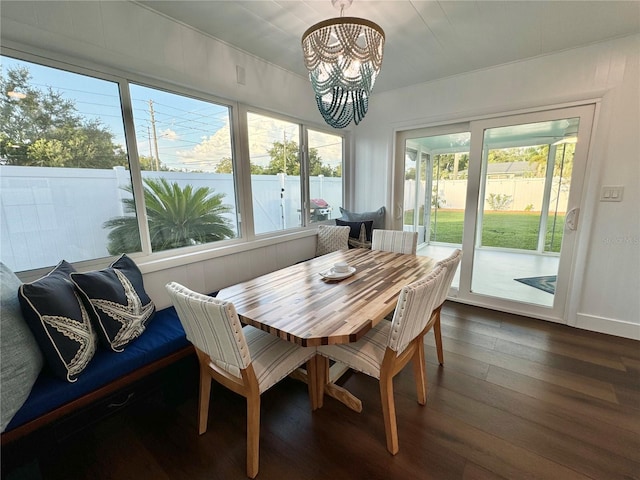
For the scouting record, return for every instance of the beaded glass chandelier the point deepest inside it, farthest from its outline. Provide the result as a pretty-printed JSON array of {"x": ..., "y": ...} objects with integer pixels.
[{"x": 343, "y": 56}]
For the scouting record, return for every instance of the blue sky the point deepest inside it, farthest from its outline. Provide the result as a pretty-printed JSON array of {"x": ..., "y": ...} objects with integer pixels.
[{"x": 190, "y": 133}]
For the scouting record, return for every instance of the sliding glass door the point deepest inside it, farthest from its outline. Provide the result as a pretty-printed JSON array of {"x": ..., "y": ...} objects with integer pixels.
[
  {"x": 435, "y": 185},
  {"x": 507, "y": 191}
]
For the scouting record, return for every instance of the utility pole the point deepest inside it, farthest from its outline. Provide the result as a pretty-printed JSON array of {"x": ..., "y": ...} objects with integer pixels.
[
  {"x": 155, "y": 136},
  {"x": 284, "y": 151}
]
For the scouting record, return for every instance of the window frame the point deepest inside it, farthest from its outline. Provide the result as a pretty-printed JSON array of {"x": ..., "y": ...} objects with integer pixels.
[
  {"x": 303, "y": 152},
  {"x": 138, "y": 184}
]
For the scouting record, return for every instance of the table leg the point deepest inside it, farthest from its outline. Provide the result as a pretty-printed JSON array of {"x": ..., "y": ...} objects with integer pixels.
[
  {"x": 324, "y": 378},
  {"x": 312, "y": 381},
  {"x": 335, "y": 391}
]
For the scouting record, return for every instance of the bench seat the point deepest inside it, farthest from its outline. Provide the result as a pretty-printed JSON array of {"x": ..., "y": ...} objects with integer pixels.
[{"x": 162, "y": 343}]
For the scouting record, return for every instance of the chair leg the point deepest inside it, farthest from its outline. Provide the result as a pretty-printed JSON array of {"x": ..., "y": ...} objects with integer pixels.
[
  {"x": 437, "y": 332},
  {"x": 389, "y": 412},
  {"x": 420, "y": 371},
  {"x": 253, "y": 434},
  {"x": 203, "y": 403}
]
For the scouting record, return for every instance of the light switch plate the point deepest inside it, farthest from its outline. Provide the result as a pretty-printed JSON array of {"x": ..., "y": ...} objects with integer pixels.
[{"x": 611, "y": 193}]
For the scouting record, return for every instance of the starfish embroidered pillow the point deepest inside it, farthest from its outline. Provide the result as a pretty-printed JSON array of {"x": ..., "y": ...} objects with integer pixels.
[
  {"x": 117, "y": 300},
  {"x": 59, "y": 321}
]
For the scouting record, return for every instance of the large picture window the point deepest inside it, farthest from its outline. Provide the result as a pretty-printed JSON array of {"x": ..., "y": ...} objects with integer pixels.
[
  {"x": 274, "y": 151},
  {"x": 278, "y": 174},
  {"x": 325, "y": 175},
  {"x": 63, "y": 165},
  {"x": 184, "y": 150},
  {"x": 94, "y": 167}
]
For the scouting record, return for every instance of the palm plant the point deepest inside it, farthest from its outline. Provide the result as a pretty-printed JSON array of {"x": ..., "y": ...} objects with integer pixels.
[{"x": 177, "y": 217}]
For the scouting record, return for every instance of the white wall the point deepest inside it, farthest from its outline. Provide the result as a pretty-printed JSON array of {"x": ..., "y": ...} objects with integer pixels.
[{"x": 606, "y": 280}]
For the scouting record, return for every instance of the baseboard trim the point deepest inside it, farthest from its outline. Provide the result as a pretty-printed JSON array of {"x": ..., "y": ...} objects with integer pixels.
[{"x": 610, "y": 326}]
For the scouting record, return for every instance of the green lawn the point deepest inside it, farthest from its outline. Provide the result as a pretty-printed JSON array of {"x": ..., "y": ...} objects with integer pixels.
[{"x": 499, "y": 229}]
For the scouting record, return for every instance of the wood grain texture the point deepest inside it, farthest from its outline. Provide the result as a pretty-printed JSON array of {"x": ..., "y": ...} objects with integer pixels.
[
  {"x": 298, "y": 305},
  {"x": 485, "y": 418}
]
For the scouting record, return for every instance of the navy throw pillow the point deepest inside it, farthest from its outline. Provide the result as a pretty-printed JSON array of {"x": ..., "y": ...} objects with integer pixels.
[
  {"x": 118, "y": 301},
  {"x": 377, "y": 216},
  {"x": 59, "y": 321},
  {"x": 356, "y": 228}
]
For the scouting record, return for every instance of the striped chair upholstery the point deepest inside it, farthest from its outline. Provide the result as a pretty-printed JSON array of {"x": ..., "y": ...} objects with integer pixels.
[
  {"x": 389, "y": 346},
  {"x": 451, "y": 264},
  {"x": 243, "y": 359},
  {"x": 394, "y": 241},
  {"x": 332, "y": 238}
]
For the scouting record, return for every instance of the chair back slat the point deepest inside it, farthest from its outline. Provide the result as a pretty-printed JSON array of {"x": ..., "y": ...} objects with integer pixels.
[
  {"x": 212, "y": 326},
  {"x": 394, "y": 241},
  {"x": 414, "y": 307},
  {"x": 451, "y": 264}
]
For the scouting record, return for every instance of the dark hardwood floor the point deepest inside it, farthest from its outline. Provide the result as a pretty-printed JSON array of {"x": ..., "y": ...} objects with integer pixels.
[{"x": 516, "y": 399}]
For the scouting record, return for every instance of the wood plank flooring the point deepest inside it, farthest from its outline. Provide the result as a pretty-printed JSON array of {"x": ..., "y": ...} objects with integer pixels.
[{"x": 516, "y": 399}]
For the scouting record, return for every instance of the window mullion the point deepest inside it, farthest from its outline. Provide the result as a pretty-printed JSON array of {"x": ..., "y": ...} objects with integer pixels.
[
  {"x": 243, "y": 166},
  {"x": 304, "y": 175},
  {"x": 134, "y": 165}
]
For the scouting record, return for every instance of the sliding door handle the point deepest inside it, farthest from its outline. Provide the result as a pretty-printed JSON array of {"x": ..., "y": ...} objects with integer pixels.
[
  {"x": 571, "y": 220},
  {"x": 399, "y": 211}
]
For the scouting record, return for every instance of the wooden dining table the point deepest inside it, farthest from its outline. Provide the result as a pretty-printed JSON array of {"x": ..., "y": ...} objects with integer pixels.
[{"x": 300, "y": 305}]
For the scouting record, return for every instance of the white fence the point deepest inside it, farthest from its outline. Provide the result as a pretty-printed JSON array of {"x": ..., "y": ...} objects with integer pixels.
[
  {"x": 50, "y": 214},
  {"x": 525, "y": 193}
]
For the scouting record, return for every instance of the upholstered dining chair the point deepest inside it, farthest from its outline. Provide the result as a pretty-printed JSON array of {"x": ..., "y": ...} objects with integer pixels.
[
  {"x": 394, "y": 241},
  {"x": 451, "y": 264},
  {"x": 246, "y": 360},
  {"x": 387, "y": 348},
  {"x": 332, "y": 238}
]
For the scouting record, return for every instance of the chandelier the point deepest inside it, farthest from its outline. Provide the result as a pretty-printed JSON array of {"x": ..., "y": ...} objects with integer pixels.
[{"x": 343, "y": 56}]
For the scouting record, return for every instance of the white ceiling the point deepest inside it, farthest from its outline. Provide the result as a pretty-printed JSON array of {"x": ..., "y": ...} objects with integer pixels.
[{"x": 425, "y": 39}]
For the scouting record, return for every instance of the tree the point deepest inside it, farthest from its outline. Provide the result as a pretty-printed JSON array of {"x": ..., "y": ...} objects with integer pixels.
[
  {"x": 45, "y": 129},
  {"x": 537, "y": 157},
  {"x": 285, "y": 158},
  {"x": 289, "y": 150},
  {"x": 447, "y": 167},
  {"x": 177, "y": 217},
  {"x": 564, "y": 160},
  {"x": 224, "y": 166},
  {"x": 410, "y": 173},
  {"x": 149, "y": 163}
]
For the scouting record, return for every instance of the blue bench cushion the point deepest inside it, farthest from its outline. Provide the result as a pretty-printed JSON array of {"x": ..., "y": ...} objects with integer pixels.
[{"x": 164, "y": 335}]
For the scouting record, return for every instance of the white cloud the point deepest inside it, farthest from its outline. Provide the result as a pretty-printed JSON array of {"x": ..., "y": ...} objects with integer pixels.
[
  {"x": 208, "y": 153},
  {"x": 263, "y": 132},
  {"x": 169, "y": 134}
]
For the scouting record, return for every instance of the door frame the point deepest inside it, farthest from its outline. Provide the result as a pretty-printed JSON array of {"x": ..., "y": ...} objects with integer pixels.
[{"x": 587, "y": 111}]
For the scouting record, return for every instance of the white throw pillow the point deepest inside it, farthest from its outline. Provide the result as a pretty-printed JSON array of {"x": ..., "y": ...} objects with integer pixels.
[{"x": 20, "y": 358}]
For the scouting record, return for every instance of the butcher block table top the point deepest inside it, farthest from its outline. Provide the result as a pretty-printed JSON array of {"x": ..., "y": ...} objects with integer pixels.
[{"x": 297, "y": 304}]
